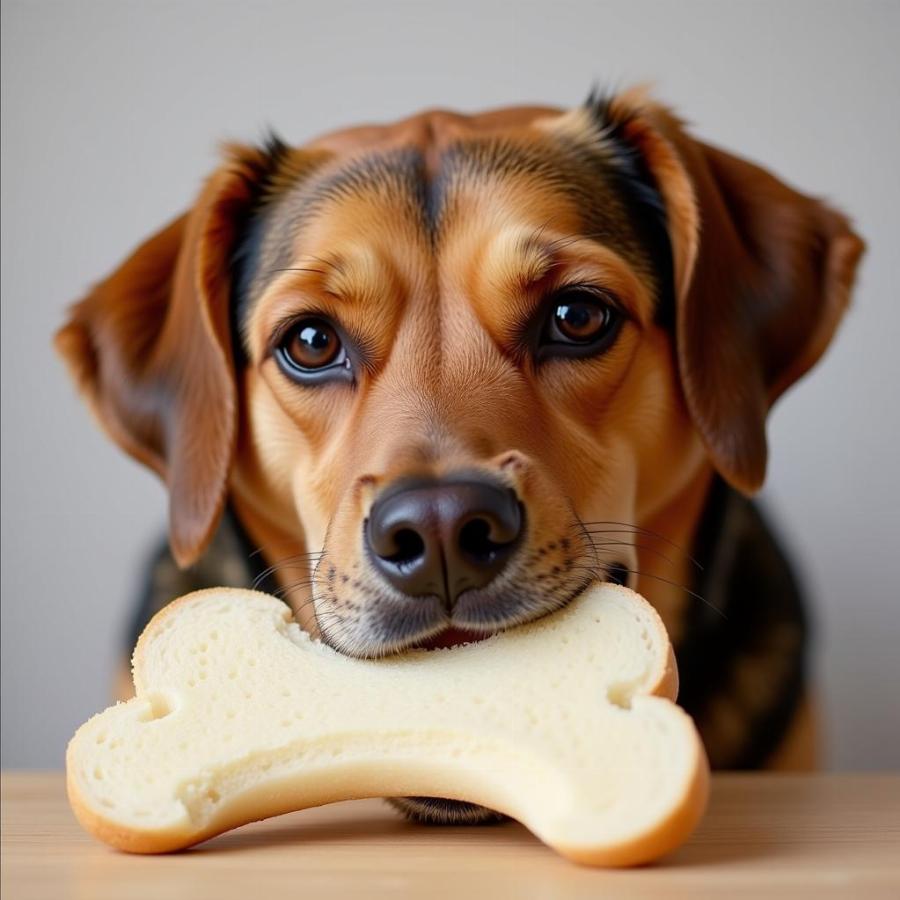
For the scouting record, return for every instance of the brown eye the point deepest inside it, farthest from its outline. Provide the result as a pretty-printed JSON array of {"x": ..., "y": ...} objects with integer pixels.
[
  {"x": 581, "y": 321},
  {"x": 311, "y": 351},
  {"x": 312, "y": 344}
]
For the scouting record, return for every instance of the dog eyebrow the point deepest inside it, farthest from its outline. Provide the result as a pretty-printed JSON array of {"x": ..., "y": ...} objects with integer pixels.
[
  {"x": 521, "y": 258},
  {"x": 319, "y": 265},
  {"x": 354, "y": 275},
  {"x": 536, "y": 256}
]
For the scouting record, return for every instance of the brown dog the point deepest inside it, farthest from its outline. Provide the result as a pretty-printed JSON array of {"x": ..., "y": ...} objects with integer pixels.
[{"x": 444, "y": 373}]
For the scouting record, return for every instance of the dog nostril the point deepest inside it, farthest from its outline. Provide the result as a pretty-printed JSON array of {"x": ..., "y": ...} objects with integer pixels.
[
  {"x": 409, "y": 547},
  {"x": 475, "y": 541},
  {"x": 441, "y": 537}
]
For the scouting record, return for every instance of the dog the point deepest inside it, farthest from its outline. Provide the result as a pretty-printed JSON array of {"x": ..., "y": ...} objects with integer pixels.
[{"x": 429, "y": 380}]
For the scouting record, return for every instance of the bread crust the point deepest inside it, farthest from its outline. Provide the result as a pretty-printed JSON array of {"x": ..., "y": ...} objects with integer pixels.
[
  {"x": 148, "y": 635},
  {"x": 664, "y": 837}
]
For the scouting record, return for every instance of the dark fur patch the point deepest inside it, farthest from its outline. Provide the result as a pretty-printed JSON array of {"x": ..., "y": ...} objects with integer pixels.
[
  {"x": 244, "y": 261},
  {"x": 639, "y": 189}
]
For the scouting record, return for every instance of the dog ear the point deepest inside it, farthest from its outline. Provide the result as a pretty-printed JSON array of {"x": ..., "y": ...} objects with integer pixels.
[
  {"x": 150, "y": 348},
  {"x": 762, "y": 278}
]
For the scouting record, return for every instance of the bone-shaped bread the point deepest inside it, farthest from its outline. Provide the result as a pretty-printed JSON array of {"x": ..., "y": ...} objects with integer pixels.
[{"x": 566, "y": 724}]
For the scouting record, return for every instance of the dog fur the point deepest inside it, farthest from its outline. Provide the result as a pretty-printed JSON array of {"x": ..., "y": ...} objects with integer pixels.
[{"x": 435, "y": 244}]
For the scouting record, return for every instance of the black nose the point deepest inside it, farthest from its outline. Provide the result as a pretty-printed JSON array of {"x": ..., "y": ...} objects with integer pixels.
[{"x": 443, "y": 536}]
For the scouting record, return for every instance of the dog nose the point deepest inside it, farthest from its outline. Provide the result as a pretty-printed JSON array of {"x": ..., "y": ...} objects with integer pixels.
[{"x": 443, "y": 536}]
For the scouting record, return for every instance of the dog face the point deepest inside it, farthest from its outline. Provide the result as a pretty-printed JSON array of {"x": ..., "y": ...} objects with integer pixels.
[{"x": 438, "y": 354}]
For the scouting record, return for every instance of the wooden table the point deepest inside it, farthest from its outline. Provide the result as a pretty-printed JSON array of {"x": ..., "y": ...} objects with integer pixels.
[{"x": 765, "y": 836}]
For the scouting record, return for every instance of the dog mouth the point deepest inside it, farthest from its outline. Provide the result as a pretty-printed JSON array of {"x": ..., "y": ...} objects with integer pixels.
[
  {"x": 450, "y": 637},
  {"x": 395, "y": 639},
  {"x": 454, "y": 636}
]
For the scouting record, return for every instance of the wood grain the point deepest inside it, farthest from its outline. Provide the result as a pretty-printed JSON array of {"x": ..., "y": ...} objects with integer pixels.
[{"x": 765, "y": 836}]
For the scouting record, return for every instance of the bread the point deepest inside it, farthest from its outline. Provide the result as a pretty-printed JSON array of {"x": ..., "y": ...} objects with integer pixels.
[{"x": 567, "y": 724}]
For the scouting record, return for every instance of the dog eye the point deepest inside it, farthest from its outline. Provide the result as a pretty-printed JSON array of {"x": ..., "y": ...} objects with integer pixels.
[
  {"x": 311, "y": 349},
  {"x": 578, "y": 321},
  {"x": 581, "y": 321},
  {"x": 312, "y": 344}
]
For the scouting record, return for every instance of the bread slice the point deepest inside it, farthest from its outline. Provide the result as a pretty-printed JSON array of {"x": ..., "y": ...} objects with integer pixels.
[{"x": 566, "y": 724}]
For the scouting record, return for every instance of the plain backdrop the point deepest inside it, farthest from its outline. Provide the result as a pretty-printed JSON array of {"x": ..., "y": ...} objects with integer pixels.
[{"x": 112, "y": 112}]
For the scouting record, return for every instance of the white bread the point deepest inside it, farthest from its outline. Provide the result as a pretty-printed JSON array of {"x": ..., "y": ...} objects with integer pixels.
[{"x": 566, "y": 724}]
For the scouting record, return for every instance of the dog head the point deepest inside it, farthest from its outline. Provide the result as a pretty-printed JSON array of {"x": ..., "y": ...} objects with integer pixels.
[{"x": 435, "y": 352}]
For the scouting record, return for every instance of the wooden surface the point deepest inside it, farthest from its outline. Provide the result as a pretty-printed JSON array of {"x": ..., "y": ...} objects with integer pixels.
[{"x": 765, "y": 836}]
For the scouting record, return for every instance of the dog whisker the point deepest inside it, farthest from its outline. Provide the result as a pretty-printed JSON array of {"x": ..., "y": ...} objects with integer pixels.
[
  {"x": 263, "y": 548},
  {"x": 311, "y": 580},
  {"x": 643, "y": 548},
  {"x": 587, "y": 527},
  {"x": 280, "y": 567},
  {"x": 289, "y": 562},
  {"x": 677, "y": 584},
  {"x": 296, "y": 585}
]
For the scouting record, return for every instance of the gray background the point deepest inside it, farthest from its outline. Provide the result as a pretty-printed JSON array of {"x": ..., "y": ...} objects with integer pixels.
[{"x": 111, "y": 114}]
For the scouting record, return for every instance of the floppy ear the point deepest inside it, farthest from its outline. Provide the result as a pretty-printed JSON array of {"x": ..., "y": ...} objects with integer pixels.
[
  {"x": 150, "y": 348},
  {"x": 762, "y": 274}
]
